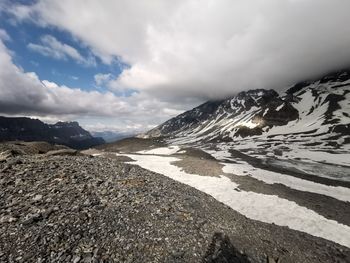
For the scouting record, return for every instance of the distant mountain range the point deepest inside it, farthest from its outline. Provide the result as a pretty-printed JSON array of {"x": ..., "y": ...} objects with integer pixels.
[
  {"x": 65, "y": 133},
  {"x": 111, "y": 136},
  {"x": 318, "y": 108}
]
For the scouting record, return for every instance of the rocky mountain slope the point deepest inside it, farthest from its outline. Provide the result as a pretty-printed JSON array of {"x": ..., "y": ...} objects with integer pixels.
[
  {"x": 312, "y": 108},
  {"x": 65, "y": 133}
]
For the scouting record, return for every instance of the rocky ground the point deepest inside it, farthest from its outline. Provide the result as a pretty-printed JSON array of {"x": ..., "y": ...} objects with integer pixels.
[
  {"x": 27, "y": 148},
  {"x": 71, "y": 208}
]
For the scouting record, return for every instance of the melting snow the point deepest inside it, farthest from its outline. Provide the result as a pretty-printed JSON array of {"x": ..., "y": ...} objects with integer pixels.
[
  {"x": 265, "y": 208},
  {"x": 318, "y": 156},
  {"x": 266, "y": 110},
  {"x": 162, "y": 151},
  {"x": 280, "y": 107},
  {"x": 243, "y": 169}
]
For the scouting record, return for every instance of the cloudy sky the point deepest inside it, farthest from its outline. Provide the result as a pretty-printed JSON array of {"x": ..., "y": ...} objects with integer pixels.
[{"x": 129, "y": 65}]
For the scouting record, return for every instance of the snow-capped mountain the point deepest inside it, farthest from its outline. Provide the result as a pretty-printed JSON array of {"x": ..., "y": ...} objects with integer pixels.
[{"x": 319, "y": 108}]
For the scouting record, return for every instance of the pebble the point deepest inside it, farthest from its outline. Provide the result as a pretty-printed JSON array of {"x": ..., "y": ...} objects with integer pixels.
[
  {"x": 37, "y": 198},
  {"x": 76, "y": 259}
]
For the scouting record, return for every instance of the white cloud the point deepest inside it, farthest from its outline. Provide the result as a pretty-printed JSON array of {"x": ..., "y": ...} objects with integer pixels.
[
  {"x": 100, "y": 126},
  {"x": 49, "y": 46},
  {"x": 206, "y": 48},
  {"x": 112, "y": 83},
  {"x": 4, "y": 36},
  {"x": 23, "y": 93},
  {"x": 102, "y": 79}
]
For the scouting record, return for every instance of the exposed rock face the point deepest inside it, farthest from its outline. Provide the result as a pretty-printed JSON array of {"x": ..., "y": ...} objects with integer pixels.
[
  {"x": 187, "y": 119},
  {"x": 310, "y": 107},
  {"x": 65, "y": 133}
]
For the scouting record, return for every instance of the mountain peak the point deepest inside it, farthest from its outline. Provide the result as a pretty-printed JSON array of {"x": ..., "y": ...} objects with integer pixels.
[{"x": 313, "y": 108}]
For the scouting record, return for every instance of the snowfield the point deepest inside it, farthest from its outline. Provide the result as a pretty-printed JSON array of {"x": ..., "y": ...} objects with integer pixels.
[
  {"x": 261, "y": 207},
  {"x": 243, "y": 169},
  {"x": 162, "y": 151}
]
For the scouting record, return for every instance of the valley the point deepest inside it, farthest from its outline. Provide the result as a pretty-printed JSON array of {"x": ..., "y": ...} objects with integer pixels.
[
  {"x": 161, "y": 203},
  {"x": 174, "y": 131},
  {"x": 259, "y": 177}
]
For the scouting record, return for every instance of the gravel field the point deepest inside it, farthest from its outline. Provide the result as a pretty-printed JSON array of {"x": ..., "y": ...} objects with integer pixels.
[{"x": 98, "y": 209}]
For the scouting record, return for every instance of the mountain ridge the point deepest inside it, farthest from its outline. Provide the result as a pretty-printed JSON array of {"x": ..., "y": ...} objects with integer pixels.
[
  {"x": 310, "y": 107},
  {"x": 65, "y": 133}
]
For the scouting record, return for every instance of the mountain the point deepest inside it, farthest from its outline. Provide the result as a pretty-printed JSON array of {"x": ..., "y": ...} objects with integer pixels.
[
  {"x": 65, "y": 133},
  {"x": 318, "y": 108},
  {"x": 111, "y": 136}
]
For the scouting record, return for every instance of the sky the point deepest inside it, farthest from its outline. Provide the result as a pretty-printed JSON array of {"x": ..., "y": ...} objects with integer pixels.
[{"x": 129, "y": 65}]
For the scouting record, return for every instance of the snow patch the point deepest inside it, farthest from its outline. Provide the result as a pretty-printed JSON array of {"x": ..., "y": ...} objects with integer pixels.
[
  {"x": 243, "y": 169},
  {"x": 162, "y": 150},
  {"x": 280, "y": 107}
]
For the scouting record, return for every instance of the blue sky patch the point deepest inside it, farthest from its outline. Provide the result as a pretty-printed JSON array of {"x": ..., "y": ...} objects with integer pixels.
[{"x": 68, "y": 71}]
